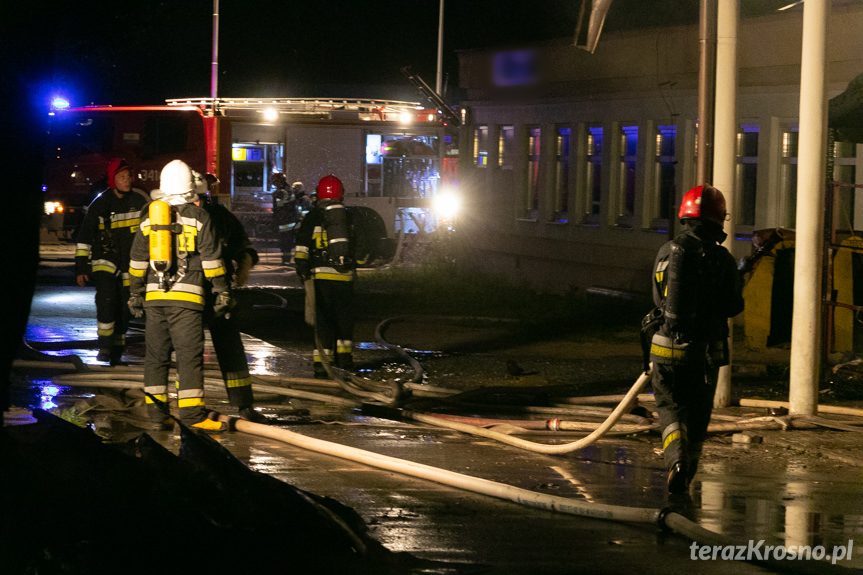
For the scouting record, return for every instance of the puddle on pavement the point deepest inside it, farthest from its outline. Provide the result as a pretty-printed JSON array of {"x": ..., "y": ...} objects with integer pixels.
[{"x": 783, "y": 504}]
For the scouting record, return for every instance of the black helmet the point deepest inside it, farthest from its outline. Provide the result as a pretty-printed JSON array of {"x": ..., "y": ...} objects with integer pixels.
[{"x": 279, "y": 180}]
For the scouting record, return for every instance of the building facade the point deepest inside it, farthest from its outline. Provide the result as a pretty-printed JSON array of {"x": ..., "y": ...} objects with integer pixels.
[{"x": 573, "y": 164}]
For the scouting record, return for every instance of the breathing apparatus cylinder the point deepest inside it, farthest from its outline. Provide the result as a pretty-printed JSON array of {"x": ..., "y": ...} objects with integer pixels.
[{"x": 161, "y": 240}]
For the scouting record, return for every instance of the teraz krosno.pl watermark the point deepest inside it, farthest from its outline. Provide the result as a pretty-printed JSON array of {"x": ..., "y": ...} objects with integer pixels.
[{"x": 759, "y": 551}]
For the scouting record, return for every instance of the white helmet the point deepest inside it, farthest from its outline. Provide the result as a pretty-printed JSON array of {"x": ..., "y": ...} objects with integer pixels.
[
  {"x": 179, "y": 183},
  {"x": 298, "y": 187}
]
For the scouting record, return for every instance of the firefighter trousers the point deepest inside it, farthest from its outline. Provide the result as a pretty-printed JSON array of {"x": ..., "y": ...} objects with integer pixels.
[
  {"x": 684, "y": 399},
  {"x": 231, "y": 354},
  {"x": 287, "y": 242},
  {"x": 334, "y": 322},
  {"x": 112, "y": 315},
  {"x": 180, "y": 329}
]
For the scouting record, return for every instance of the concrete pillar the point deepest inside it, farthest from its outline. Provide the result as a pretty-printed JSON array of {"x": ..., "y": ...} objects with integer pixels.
[
  {"x": 806, "y": 326},
  {"x": 725, "y": 141}
]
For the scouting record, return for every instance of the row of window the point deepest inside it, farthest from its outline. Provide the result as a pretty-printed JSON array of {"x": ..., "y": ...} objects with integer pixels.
[{"x": 562, "y": 178}]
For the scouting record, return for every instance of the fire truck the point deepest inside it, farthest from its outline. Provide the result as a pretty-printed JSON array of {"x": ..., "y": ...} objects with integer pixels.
[{"x": 393, "y": 157}]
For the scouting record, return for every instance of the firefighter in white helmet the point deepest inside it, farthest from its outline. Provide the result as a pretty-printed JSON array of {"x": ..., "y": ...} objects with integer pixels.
[
  {"x": 696, "y": 288},
  {"x": 175, "y": 261},
  {"x": 102, "y": 255}
]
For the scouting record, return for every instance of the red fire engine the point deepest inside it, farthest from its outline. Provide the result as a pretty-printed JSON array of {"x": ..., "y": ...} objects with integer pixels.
[{"x": 389, "y": 154}]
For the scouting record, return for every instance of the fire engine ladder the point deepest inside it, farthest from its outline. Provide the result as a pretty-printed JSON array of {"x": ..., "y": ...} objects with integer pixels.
[
  {"x": 363, "y": 109},
  {"x": 433, "y": 96}
]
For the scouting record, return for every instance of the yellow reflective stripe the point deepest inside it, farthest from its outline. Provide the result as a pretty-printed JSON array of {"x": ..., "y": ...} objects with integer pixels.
[
  {"x": 174, "y": 296},
  {"x": 242, "y": 382},
  {"x": 130, "y": 223},
  {"x": 191, "y": 402},
  {"x": 104, "y": 266},
  {"x": 214, "y": 272},
  {"x": 179, "y": 287},
  {"x": 667, "y": 352},
  {"x": 163, "y": 397},
  {"x": 673, "y": 436},
  {"x": 334, "y": 277}
]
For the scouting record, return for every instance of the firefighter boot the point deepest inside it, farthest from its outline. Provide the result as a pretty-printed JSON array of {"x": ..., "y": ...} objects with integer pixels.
[
  {"x": 210, "y": 424},
  {"x": 116, "y": 357},
  {"x": 678, "y": 479},
  {"x": 159, "y": 421},
  {"x": 249, "y": 414}
]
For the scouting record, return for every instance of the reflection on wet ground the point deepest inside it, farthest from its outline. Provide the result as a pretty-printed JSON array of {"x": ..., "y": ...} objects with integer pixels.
[{"x": 750, "y": 494}]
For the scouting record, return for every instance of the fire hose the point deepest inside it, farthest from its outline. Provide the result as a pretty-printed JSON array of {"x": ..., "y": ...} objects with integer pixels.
[{"x": 664, "y": 518}]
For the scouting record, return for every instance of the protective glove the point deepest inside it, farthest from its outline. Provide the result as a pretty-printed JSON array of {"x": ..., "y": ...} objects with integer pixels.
[
  {"x": 243, "y": 270},
  {"x": 136, "y": 305},
  {"x": 222, "y": 305}
]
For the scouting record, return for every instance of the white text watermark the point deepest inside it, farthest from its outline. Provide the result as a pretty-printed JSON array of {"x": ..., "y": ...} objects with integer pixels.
[{"x": 760, "y": 551}]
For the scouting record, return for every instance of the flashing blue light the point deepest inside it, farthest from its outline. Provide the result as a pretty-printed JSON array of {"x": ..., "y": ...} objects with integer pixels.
[{"x": 59, "y": 103}]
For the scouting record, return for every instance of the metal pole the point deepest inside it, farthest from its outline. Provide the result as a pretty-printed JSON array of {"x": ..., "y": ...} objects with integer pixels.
[
  {"x": 439, "y": 80},
  {"x": 706, "y": 87},
  {"x": 725, "y": 140},
  {"x": 806, "y": 326},
  {"x": 214, "y": 65}
]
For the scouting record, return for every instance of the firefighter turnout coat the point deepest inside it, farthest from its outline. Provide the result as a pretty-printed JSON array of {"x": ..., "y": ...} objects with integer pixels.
[
  {"x": 174, "y": 303},
  {"x": 107, "y": 232},
  {"x": 197, "y": 262},
  {"x": 102, "y": 254},
  {"x": 324, "y": 252}
]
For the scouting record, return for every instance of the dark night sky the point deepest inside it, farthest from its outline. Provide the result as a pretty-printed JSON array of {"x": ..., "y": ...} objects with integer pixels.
[{"x": 144, "y": 51}]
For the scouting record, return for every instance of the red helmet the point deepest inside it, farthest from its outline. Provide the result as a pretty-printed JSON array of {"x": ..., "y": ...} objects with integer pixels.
[
  {"x": 116, "y": 166},
  {"x": 705, "y": 202},
  {"x": 330, "y": 188}
]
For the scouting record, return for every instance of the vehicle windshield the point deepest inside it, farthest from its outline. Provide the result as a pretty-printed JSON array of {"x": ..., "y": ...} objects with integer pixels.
[{"x": 74, "y": 135}]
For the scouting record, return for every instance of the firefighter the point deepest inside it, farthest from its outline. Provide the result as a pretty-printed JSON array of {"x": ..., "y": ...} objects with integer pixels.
[
  {"x": 302, "y": 199},
  {"x": 696, "y": 288},
  {"x": 102, "y": 256},
  {"x": 284, "y": 209},
  {"x": 175, "y": 261},
  {"x": 324, "y": 256},
  {"x": 239, "y": 257}
]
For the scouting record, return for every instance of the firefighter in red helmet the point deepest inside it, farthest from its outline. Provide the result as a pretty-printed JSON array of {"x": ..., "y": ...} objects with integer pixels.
[
  {"x": 102, "y": 255},
  {"x": 696, "y": 289},
  {"x": 324, "y": 255}
]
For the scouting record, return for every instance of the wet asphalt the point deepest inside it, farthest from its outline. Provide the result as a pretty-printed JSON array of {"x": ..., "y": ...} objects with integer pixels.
[{"x": 787, "y": 488}]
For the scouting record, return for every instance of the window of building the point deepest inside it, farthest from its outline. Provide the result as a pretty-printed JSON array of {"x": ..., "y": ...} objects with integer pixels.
[
  {"x": 665, "y": 175},
  {"x": 480, "y": 146},
  {"x": 402, "y": 166},
  {"x": 530, "y": 199},
  {"x": 505, "y": 141},
  {"x": 747, "y": 174},
  {"x": 788, "y": 175},
  {"x": 593, "y": 174},
  {"x": 625, "y": 200},
  {"x": 845, "y": 216},
  {"x": 561, "y": 176}
]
